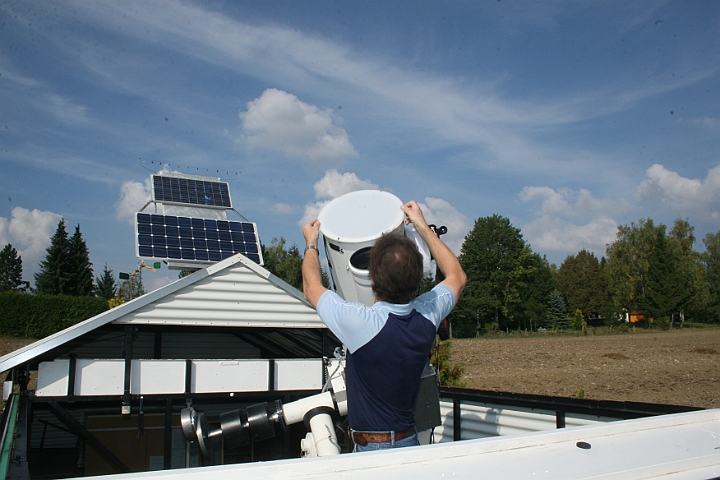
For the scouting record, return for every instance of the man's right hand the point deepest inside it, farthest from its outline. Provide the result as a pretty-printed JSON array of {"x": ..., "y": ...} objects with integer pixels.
[
  {"x": 413, "y": 214},
  {"x": 455, "y": 277},
  {"x": 311, "y": 232}
]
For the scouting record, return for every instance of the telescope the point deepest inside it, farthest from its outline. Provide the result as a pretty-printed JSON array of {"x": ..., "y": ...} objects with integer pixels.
[{"x": 257, "y": 422}]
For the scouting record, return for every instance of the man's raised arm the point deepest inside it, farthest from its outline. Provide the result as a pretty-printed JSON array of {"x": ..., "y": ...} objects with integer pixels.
[
  {"x": 312, "y": 279},
  {"x": 446, "y": 260}
]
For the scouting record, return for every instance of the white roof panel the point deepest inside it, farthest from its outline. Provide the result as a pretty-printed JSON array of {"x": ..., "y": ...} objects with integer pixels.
[{"x": 235, "y": 292}]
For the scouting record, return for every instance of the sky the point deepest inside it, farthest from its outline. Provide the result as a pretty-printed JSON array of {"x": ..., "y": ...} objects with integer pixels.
[{"x": 570, "y": 118}]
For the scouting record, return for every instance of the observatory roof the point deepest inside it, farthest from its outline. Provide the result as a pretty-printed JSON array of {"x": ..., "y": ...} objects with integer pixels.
[{"x": 235, "y": 292}]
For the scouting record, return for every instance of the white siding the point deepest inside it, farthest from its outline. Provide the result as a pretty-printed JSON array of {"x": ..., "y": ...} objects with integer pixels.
[
  {"x": 235, "y": 297},
  {"x": 484, "y": 420}
]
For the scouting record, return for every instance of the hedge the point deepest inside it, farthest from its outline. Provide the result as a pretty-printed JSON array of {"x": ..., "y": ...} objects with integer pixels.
[{"x": 37, "y": 316}]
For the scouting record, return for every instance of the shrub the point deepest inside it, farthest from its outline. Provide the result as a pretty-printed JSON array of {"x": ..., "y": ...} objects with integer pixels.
[
  {"x": 449, "y": 372},
  {"x": 37, "y": 316}
]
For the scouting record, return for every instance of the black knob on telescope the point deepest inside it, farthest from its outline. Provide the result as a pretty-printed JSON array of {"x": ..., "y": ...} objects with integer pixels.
[
  {"x": 259, "y": 423},
  {"x": 234, "y": 427}
]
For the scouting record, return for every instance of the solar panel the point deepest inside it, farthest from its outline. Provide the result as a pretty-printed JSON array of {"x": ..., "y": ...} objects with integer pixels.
[
  {"x": 187, "y": 191},
  {"x": 204, "y": 240}
]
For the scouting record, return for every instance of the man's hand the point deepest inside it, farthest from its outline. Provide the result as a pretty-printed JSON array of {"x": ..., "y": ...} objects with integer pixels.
[
  {"x": 311, "y": 232},
  {"x": 455, "y": 277},
  {"x": 312, "y": 279},
  {"x": 413, "y": 214}
]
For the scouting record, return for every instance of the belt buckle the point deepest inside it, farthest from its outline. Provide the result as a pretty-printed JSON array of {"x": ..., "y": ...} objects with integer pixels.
[{"x": 359, "y": 439}]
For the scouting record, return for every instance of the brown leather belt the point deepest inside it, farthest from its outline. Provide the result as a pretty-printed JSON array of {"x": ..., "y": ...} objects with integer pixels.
[{"x": 363, "y": 438}]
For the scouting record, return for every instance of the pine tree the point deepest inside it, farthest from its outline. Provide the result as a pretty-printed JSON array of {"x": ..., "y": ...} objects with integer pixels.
[
  {"x": 53, "y": 275},
  {"x": 556, "y": 316},
  {"x": 582, "y": 281},
  {"x": 80, "y": 273},
  {"x": 106, "y": 286},
  {"x": 10, "y": 269}
]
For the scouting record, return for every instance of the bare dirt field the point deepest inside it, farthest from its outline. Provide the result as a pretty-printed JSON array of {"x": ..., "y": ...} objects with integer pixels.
[{"x": 679, "y": 367}]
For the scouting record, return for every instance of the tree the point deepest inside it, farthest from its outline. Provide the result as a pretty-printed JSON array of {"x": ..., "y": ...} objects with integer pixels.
[
  {"x": 106, "y": 285},
  {"x": 11, "y": 270},
  {"x": 711, "y": 263},
  {"x": 582, "y": 282},
  {"x": 651, "y": 272},
  {"x": 131, "y": 288},
  {"x": 689, "y": 275},
  {"x": 556, "y": 316},
  {"x": 286, "y": 263},
  {"x": 535, "y": 295},
  {"x": 80, "y": 273},
  {"x": 53, "y": 275},
  {"x": 629, "y": 260},
  {"x": 497, "y": 262}
]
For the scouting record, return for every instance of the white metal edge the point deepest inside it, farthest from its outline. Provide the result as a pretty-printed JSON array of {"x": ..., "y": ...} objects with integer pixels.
[{"x": 397, "y": 462}]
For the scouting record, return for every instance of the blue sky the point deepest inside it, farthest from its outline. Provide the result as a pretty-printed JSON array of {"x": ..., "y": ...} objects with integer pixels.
[{"x": 569, "y": 118}]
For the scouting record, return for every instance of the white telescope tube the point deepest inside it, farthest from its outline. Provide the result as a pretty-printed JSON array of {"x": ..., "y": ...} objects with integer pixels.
[
  {"x": 294, "y": 412},
  {"x": 323, "y": 434}
]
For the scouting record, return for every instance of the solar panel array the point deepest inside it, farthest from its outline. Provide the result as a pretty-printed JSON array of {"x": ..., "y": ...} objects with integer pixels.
[
  {"x": 204, "y": 240},
  {"x": 189, "y": 191}
]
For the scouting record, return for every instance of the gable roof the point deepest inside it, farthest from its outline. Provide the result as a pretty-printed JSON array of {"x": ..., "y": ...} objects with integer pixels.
[{"x": 235, "y": 292}]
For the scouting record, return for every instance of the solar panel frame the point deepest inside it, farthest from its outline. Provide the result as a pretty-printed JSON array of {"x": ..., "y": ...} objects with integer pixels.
[
  {"x": 161, "y": 237},
  {"x": 190, "y": 191}
]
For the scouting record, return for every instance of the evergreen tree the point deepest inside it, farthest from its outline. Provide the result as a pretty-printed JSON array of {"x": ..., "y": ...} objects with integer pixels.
[
  {"x": 53, "y": 275},
  {"x": 556, "y": 316},
  {"x": 582, "y": 281},
  {"x": 10, "y": 270},
  {"x": 535, "y": 295},
  {"x": 80, "y": 273},
  {"x": 106, "y": 285}
]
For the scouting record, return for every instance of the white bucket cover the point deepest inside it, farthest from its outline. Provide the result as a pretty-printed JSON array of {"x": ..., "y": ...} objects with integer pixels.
[{"x": 361, "y": 216}]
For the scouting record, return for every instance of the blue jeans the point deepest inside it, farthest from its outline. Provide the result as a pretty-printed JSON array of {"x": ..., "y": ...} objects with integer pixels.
[{"x": 410, "y": 441}]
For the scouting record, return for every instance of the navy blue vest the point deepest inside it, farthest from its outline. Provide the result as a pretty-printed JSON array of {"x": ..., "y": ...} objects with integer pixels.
[{"x": 384, "y": 374}]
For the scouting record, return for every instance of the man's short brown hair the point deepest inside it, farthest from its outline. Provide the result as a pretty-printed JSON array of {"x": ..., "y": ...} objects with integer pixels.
[{"x": 396, "y": 269}]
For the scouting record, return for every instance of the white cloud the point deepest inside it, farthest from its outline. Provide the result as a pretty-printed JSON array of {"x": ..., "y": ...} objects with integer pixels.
[
  {"x": 279, "y": 121},
  {"x": 133, "y": 196},
  {"x": 552, "y": 234},
  {"x": 66, "y": 110},
  {"x": 566, "y": 221},
  {"x": 29, "y": 232},
  {"x": 682, "y": 195},
  {"x": 332, "y": 185},
  {"x": 441, "y": 213},
  {"x": 281, "y": 208},
  {"x": 566, "y": 202}
]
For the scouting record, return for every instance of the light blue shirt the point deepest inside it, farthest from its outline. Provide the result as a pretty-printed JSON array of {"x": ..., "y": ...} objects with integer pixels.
[{"x": 355, "y": 324}]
